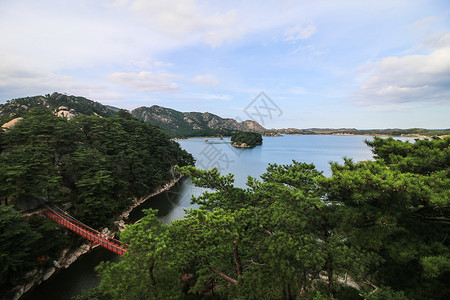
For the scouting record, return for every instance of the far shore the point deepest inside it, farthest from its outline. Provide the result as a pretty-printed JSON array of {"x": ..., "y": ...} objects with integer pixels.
[{"x": 337, "y": 133}]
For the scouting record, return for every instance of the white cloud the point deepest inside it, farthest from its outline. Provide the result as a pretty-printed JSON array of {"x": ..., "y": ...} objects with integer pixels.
[
  {"x": 299, "y": 32},
  {"x": 309, "y": 51},
  {"x": 206, "y": 80},
  {"x": 423, "y": 78},
  {"x": 308, "y": 48},
  {"x": 145, "y": 81},
  {"x": 146, "y": 64},
  {"x": 20, "y": 82},
  {"x": 187, "y": 20}
]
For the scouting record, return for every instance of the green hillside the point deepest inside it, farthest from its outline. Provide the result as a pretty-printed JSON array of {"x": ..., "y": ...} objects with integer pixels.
[
  {"x": 94, "y": 166},
  {"x": 55, "y": 102}
]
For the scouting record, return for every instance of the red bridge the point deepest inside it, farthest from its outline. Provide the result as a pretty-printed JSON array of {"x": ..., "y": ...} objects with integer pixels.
[{"x": 91, "y": 234}]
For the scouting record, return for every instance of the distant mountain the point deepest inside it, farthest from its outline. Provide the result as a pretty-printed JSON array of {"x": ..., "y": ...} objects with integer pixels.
[
  {"x": 60, "y": 104},
  {"x": 184, "y": 124},
  {"x": 181, "y": 124},
  {"x": 175, "y": 123}
]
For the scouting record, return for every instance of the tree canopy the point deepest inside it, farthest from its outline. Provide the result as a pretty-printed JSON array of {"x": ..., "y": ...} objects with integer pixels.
[
  {"x": 95, "y": 165},
  {"x": 375, "y": 230},
  {"x": 248, "y": 139}
]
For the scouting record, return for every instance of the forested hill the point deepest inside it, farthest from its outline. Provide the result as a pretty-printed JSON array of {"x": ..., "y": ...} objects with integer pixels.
[
  {"x": 60, "y": 104},
  {"x": 93, "y": 166},
  {"x": 175, "y": 123},
  {"x": 184, "y": 124}
]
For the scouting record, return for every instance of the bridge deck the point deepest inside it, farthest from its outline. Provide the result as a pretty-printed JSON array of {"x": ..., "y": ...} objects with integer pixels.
[{"x": 91, "y": 234}]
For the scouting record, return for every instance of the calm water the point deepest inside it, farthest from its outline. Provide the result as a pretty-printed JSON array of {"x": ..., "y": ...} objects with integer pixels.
[{"x": 317, "y": 149}]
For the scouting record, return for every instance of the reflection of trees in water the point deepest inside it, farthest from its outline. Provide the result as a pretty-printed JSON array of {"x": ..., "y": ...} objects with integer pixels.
[{"x": 182, "y": 193}]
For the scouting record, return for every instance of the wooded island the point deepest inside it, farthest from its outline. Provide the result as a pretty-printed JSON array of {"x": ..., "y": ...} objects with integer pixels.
[{"x": 246, "y": 139}]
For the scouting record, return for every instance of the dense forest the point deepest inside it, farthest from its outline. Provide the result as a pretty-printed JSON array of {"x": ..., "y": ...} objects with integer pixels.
[
  {"x": 93, "y": 166},
  {"x": 78, "y": 105},
  {"x": 176, "y": 124},
  {"x": 374, "y": 230},
  {"x": 248, "y": 139}
]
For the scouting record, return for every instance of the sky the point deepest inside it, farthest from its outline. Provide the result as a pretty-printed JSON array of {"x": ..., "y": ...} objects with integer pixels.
[{"x": 302, "y": 64}]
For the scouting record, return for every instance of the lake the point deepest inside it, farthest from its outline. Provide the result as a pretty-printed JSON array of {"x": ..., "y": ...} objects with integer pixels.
[{"x": 316, "y": 149}]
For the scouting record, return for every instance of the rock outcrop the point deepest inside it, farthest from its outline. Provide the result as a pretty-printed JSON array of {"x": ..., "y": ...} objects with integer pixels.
[{"x": 11, "y": 124}]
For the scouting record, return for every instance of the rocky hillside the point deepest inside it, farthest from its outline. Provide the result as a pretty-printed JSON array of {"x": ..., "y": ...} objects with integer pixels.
[
  {"x": 183, "y": 124},
  {"x": 175, "y": 123},
  {"x": 60, "y": 104}
]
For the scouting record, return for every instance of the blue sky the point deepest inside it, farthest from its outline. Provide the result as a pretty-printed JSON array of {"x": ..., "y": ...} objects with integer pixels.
[{"x": 362, "y": 64}]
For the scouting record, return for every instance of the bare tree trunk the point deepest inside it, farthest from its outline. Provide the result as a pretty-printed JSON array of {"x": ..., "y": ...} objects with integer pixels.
[
  {"x": 288, "y": 288},
  {"x": 229, "y": 279},
  {"x": 152, "y": 279},
  {"x": 237, "y": 258}
]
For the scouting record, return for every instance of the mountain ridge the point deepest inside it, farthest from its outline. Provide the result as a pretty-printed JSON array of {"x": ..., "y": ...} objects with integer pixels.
[
  {"x": 175, "y": 123},
  {"x": 60, "y": 104},
  {"x": 193, "y": 123},
  {"x": 182, "y": 124}
]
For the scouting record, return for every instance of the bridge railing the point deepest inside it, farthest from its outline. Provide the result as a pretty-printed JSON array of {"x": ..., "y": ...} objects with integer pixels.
[{"x": 91, "y": 234}]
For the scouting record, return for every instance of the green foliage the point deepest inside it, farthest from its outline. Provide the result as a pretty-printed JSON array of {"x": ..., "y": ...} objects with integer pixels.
[
  {"x": 397, "y": 211},
  {"x": 16, "y": 242},
  {"x": 259, "y": 237},
  {"x": 77, "y": 105},
  {"x": 434, "y": 266},
  {"x": 96, "y": 164},
  {"x": 28, "y": 160},
  {"x": 296, "y": 234},
  {"x": 144, "y": 273},
  {"x": 99, "y": 163},
  {"x": 250, "y": 139}
]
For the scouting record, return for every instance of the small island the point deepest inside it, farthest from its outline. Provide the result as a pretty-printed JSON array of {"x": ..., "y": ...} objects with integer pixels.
[{"x": 246, "y": 139}]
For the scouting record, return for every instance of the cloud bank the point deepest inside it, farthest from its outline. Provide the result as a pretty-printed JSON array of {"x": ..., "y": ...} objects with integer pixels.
[
  {"x": 409, "y": 79},
  {"x": 145, "y": 81}
]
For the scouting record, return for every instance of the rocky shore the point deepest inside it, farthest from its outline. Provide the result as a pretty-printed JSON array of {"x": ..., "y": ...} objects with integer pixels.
[
  {"x": 37, "y": 276},
  {"x": 241, "y": 145}
]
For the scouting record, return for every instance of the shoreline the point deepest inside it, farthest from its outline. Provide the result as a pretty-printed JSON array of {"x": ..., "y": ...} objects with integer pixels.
[
  {"x": 418, "y": 136},
  {"x": 200, "y": 137},
  {"x": 412, "y": 135},
  {"x": 137, "y": 202}
]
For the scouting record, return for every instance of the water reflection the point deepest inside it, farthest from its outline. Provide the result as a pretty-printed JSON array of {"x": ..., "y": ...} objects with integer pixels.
[
  {"x": 170, "y": 204},
  {"x": 79, "y": 277}
]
